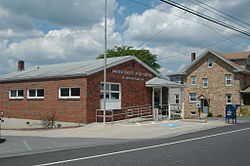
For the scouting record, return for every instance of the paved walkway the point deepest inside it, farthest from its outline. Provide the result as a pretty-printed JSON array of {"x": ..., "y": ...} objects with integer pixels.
[{"x": 121, "y": 130}]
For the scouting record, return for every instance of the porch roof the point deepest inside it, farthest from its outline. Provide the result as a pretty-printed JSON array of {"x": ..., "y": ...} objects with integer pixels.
[
  {"x": 246, "y": 91},
  {"x": 158, "y": 82}
]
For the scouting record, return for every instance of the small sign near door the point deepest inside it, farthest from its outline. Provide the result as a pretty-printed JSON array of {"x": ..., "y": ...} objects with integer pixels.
[{"x": 198, "y": 104}]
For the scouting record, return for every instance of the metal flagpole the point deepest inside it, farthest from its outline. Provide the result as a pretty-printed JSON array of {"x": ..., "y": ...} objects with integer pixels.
[{"x": 105, "y": 65}]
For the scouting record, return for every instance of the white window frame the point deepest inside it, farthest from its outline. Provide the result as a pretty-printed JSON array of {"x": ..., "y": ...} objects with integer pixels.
[
  {"x": 35, "y": 97},
  {"x": 226, "y": 79},
  {"x": 203, "y": 82},
  {"x": 17, "y": 97},
  {"x": 210, "y": 61},
  {"x": 190, "y": 97},
  {"x": 177, "y": 98},
  {"x": 109, "y": 91},
  {"x": 193, "y": 80},
  {"x": 69, "y": 97},
  {"x": 227, "y": 95}
]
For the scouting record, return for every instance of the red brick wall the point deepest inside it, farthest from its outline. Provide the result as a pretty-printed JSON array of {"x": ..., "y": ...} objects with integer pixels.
[
  {"x": 133, "y": 92},
  {"x": 67, "y": 110}
]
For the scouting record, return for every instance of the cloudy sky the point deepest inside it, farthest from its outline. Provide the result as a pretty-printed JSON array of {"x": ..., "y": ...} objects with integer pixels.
[{"x": 55, "y": 31}]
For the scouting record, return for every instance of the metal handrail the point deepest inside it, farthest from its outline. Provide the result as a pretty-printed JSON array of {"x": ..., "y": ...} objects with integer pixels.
[{"x": 128, "y": 112}]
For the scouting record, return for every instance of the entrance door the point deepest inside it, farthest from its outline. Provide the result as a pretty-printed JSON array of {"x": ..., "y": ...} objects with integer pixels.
[
  {"x": 157, "y": 100},
  {"x": 205, "y": 106}
]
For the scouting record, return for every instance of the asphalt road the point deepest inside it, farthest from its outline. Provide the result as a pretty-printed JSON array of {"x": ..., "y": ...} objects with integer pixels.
[{"x": 228, "y": 145}]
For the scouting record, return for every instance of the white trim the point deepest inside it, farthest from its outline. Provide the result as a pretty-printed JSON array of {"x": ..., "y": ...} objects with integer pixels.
[
  {"x": 204, "y": 82},
  {"x": 16, "y": 94},
  {"x": 110, "y": 91},
  {"x": 203, "y": 55},
  {"x": 209, "y": 63},
  {"x": 228, "y": 79},
  {"x": 123, "y": 61},
  {"x": 194, "y": 80},
  {"x": 190, "y": 97},
  {"x": 35, "y": 97},
  {"x": 69, "y": 97},
  {"x": 178, "y": 98}
]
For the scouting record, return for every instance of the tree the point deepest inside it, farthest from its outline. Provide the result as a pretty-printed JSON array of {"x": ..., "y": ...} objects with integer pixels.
[{"x": 144, "y": 55}]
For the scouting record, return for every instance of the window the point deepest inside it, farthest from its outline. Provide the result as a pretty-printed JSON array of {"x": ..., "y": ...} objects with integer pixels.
[
  {"x": 210, "y": 63},
  {"x": 16, "y": 94},
  {"x": 228, "y": 79},
  {"x": 204, "y": 82},
  {"x": 192, "y": 112},
  {"x": 69, "y": 93},
  {"x": 228, "y": 99},
  {"x": 193, "y": 80},
  {"x": 112, "y": 91},
  {"x": 35, "y": 93},
  {"x": 192, "y": 97},
  {"x": 177, "y": 99}
]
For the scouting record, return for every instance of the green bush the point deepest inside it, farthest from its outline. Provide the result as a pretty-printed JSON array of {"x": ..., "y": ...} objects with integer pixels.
[
  {"x": 244, "y": 111},
  {"x": 219, "y": 116},
  {"x": 209, "y": 114}
]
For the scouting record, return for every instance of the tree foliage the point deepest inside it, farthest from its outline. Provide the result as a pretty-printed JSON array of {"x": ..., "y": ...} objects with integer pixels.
[{"x": 144, "y": 55}]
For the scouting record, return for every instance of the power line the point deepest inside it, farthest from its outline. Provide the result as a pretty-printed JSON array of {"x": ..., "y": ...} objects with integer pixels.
[
  {"x": 202, "y": 47},
  {"x": 208, "y": 26},
  {"x": 222, "y": 12},
  {"x": 211, "y": 19}
]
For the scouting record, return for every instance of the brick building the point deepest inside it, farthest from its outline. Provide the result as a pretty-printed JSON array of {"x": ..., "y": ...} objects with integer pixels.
[
  {"x": 215, "y": 79},
  {"x": 74, "y": 91}
]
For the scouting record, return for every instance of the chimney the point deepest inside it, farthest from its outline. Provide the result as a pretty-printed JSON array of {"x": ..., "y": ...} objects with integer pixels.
[
  {"x": 20, "y": 65},
  {"x": 192, "y": 56}
]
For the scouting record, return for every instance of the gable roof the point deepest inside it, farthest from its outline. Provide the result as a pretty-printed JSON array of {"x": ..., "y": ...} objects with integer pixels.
[
  {"x": 158, "y": 82},
  {"x": 235, "y": 56},
  {"x": 223, "y": 57},
  {"x": 70, "y": 69}
]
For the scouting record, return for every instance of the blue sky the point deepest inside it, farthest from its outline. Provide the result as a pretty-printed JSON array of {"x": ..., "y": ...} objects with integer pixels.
[{"x": 56, "y": 31}]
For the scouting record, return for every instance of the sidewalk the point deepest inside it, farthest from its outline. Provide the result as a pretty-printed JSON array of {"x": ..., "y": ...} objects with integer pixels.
[{"x": 121, "y": 130}]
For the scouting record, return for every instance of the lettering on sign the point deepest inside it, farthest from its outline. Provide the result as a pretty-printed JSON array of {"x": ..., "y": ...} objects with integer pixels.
[{"x": 132, "y": 75}]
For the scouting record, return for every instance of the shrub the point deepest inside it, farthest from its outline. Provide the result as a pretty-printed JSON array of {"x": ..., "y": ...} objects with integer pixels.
[
  {"x": 49, "y": 120},
  {"x": 244, "y": 111},
  {"x": 219, "y": 116},
  {"x": 209, "y": 114}
]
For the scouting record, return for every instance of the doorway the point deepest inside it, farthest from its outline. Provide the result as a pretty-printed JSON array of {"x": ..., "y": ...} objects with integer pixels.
[
  {"x": 157, "y": 97},
  {"x": 205, "y": 106}
]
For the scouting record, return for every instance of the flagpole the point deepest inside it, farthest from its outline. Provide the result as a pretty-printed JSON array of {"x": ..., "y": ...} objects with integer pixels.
[{"x": 105, "y": 65}]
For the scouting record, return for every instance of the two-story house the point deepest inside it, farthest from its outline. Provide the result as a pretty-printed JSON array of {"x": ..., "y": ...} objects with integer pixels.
[{"x": 215, "y": 79}]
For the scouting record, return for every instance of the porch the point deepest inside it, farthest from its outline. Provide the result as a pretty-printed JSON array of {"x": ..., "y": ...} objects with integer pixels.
[
  {"x": 167, "y": 98},
  {"x": 245, "y": 97}
]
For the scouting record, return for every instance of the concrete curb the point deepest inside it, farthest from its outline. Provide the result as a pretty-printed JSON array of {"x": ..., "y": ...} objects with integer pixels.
[{"x": 194, "y": 120}]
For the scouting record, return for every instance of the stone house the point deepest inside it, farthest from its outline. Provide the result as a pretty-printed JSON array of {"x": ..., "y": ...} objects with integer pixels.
[{"x": 215, "y": 79}]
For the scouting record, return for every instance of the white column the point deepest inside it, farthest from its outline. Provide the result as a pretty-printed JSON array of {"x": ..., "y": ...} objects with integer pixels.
[
  {"x": 182, "y": 110},
  {"x": 153, "y": 96},
  {"x": 161, "y": 96},
  {"x": 169, "y": 107}
]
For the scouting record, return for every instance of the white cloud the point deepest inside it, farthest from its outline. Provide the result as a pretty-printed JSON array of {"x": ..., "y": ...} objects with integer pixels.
[
  {"x": 67, "y": 44},
  {"x": 61, "y": 12}
]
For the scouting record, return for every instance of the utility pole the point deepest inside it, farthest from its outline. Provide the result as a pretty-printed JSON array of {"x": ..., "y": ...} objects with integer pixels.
[{"x": 105, "y": 65}]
